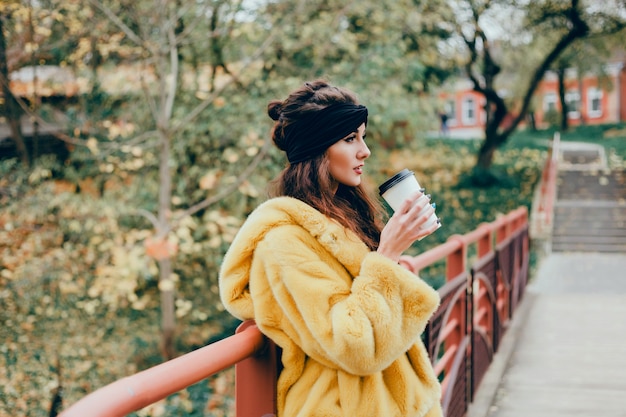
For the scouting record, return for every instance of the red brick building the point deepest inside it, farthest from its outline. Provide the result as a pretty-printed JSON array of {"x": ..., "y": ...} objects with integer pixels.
[{"x": 591, "y": 99}]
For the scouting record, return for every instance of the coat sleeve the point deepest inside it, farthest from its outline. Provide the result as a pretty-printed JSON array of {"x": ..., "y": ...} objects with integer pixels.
[{"x": 358, "y": 324}]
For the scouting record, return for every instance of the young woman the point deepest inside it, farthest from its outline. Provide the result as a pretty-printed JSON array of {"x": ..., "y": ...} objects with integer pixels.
[{"x": 320, "y": 276}]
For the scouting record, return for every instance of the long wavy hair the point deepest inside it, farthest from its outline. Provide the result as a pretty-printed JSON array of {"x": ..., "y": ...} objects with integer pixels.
[{"x": 310, "y": 181}]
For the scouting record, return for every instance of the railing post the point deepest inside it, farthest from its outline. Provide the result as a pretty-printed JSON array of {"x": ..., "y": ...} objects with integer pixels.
[
  {"x": 255, "y": 381},
  {"x": 503, "y": 231},
  {"x": 484, "y": 242},
  {"x": 456, "y": 261}
]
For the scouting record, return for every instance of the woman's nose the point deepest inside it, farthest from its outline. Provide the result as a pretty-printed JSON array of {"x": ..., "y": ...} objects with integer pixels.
[{"x": 364, "y": 152}]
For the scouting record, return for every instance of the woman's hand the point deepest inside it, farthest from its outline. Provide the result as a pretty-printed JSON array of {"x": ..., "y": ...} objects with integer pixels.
[{"x": 404, "y": 227}]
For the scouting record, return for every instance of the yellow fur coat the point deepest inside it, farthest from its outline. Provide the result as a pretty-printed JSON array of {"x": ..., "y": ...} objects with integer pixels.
[{"x": 348, "y": 319}]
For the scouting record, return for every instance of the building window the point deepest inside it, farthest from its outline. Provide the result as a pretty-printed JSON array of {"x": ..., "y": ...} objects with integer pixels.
[
  {"x": 549, "y": 103},
  {"x": 572, "y": 99},
  {"x": 594, "y": 102},
  {"x": 468, "y": 110},
  {"x": 450, "y": 109}
]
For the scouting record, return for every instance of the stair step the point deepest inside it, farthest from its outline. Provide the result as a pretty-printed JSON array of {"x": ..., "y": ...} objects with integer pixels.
[
  {"x": 581, "y": 156},
  {"x": 615, "y": 240},
  {"x": 577, "y": 185},
  {"x": 590, "y": 211},
  {"x": 582, "y": 247}
]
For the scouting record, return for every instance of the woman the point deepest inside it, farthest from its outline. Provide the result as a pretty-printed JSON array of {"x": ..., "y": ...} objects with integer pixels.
[{"x": 320, "y": 276}]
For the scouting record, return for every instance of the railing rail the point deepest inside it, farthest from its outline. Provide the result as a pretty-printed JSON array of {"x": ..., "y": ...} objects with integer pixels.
[
  {"x": 461, "y": 338},
  {"x": 478, "y": 301},
  {"x": 134, "y": 392}
]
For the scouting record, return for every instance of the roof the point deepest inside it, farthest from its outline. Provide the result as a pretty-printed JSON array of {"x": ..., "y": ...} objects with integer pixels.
[{"x": 51, "y": 80}]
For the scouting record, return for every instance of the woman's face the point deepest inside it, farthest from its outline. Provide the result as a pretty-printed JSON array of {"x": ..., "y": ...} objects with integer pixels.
[{"x": 346, "y": 158}]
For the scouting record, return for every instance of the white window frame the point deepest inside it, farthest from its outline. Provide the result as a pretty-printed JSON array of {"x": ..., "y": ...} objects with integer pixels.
[
  {"x": 594, "y": 93},
  {"x": 450, "y": 109},
  {"x": 468, "y": 105},
  {"x": 572, "y": 96},
  {"x": 549, "y": 102}
]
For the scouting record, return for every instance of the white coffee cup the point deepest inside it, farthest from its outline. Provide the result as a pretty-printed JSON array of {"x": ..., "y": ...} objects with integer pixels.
[{"x": 398, "y": 188}]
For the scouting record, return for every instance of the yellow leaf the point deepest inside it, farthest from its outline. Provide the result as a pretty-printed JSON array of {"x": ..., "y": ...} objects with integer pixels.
[
  {"x": 166, "y": 285},
  {"x": 208, "y": 181},
  {"x": 230, "y": 155}
]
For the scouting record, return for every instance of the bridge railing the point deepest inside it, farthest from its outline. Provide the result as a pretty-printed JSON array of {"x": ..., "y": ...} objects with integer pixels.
[
  {"x": 253, "y": 355},
  {"x": 477, "y": 302}
]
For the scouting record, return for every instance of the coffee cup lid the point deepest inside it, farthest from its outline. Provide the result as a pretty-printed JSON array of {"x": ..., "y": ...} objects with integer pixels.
[{"x": 394, "y": 180}]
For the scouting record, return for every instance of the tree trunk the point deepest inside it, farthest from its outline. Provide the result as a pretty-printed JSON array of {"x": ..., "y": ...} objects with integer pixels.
[
  {"x": 564, "y": 108},
  {"x": 168, "y": 318},
  {"x": 532, "y": 122},
  {"x": 12, "y": 111},
  {"x": 496, "y": 135},
  {"x": 486, "y": 152},
  {"x": 167, "y": 287},
  {"x": 35, "y": 100},
  {"x": 581, "y": 113}
]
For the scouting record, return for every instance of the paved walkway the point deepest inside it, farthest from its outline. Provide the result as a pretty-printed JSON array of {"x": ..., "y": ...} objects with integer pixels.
[{"x": 565, "y": 352}]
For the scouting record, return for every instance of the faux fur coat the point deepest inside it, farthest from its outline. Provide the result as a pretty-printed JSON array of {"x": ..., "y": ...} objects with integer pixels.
[{"x": 348, "y": 319}]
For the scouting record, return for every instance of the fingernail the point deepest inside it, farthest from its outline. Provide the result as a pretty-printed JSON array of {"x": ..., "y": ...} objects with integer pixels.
[
  {"x": 438, "y": 221},
  {"x": 428, "y": 196},
  {"x": 422, "y": 190},
  {"x": 434, "y": 205}
]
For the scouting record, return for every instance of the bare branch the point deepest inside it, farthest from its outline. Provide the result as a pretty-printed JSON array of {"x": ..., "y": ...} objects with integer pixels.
[
  {"x": 137, "y": 140},
  {"x": 191, "y": 26},
  {"x": 226, "y": 190},
  {"x": 200, "y": 107},
  {"x": 578, "y": 30},
  {"x": 171, "y": 94},
  {"x": 149, "y": 98},
  {"x": 148, "y": 215},
  {"x": 115, "y": 19}
]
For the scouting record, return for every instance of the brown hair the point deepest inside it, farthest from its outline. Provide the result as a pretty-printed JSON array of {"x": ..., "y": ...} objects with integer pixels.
[{"x": 310, "y": 180}]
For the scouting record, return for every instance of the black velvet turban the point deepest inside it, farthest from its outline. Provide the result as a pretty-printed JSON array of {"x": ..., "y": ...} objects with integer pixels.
[{"x": 312, "y": 134}]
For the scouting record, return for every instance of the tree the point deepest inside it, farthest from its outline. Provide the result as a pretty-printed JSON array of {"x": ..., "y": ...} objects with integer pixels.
[
  {"x": 160, "y": 34},
  {"x": 376, "y": 42},
  {"x": 233, "y": 38},
  {"x": 388, "y": 51},
  {"x": 569, "y": 22},
  {"x": 11, "y": 107},
  {"x": 585, "y": 56}
]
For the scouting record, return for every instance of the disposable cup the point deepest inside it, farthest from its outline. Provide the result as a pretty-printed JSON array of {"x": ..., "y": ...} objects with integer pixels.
[{"x": 398, "y": 188}]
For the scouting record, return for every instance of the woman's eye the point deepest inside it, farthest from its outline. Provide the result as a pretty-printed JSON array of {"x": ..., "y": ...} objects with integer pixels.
[{"x": 350, "y": 138}]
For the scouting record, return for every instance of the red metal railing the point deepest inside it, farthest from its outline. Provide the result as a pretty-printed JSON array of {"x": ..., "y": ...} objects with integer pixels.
[
  {"x": 251, "y": 352},
  {"x": 478, "y": 301}
]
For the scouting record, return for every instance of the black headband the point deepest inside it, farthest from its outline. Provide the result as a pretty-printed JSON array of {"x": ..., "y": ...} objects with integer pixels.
[{"x": 311, "y": 135}]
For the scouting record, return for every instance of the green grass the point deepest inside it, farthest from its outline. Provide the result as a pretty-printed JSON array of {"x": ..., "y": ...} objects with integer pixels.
[{"x": 612, "y": 137}]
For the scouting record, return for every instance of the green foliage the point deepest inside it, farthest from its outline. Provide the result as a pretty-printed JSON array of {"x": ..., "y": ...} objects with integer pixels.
[
  {"x": 71, "y": 258},
  {"x": 553, "y": 118},
  {"x": 77, "y": 284},
  {"x": 76, "y": 257}
]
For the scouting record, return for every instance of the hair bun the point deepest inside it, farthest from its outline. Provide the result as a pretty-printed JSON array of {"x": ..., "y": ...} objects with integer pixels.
[{"x": 274, "y": 109}]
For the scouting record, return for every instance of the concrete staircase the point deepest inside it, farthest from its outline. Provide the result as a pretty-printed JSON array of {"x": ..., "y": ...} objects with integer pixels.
[{"x": 590, "y": 208}]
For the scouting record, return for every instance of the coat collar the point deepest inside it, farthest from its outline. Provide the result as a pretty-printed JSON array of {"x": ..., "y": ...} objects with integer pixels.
[{"x": 340, "y": 241}]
